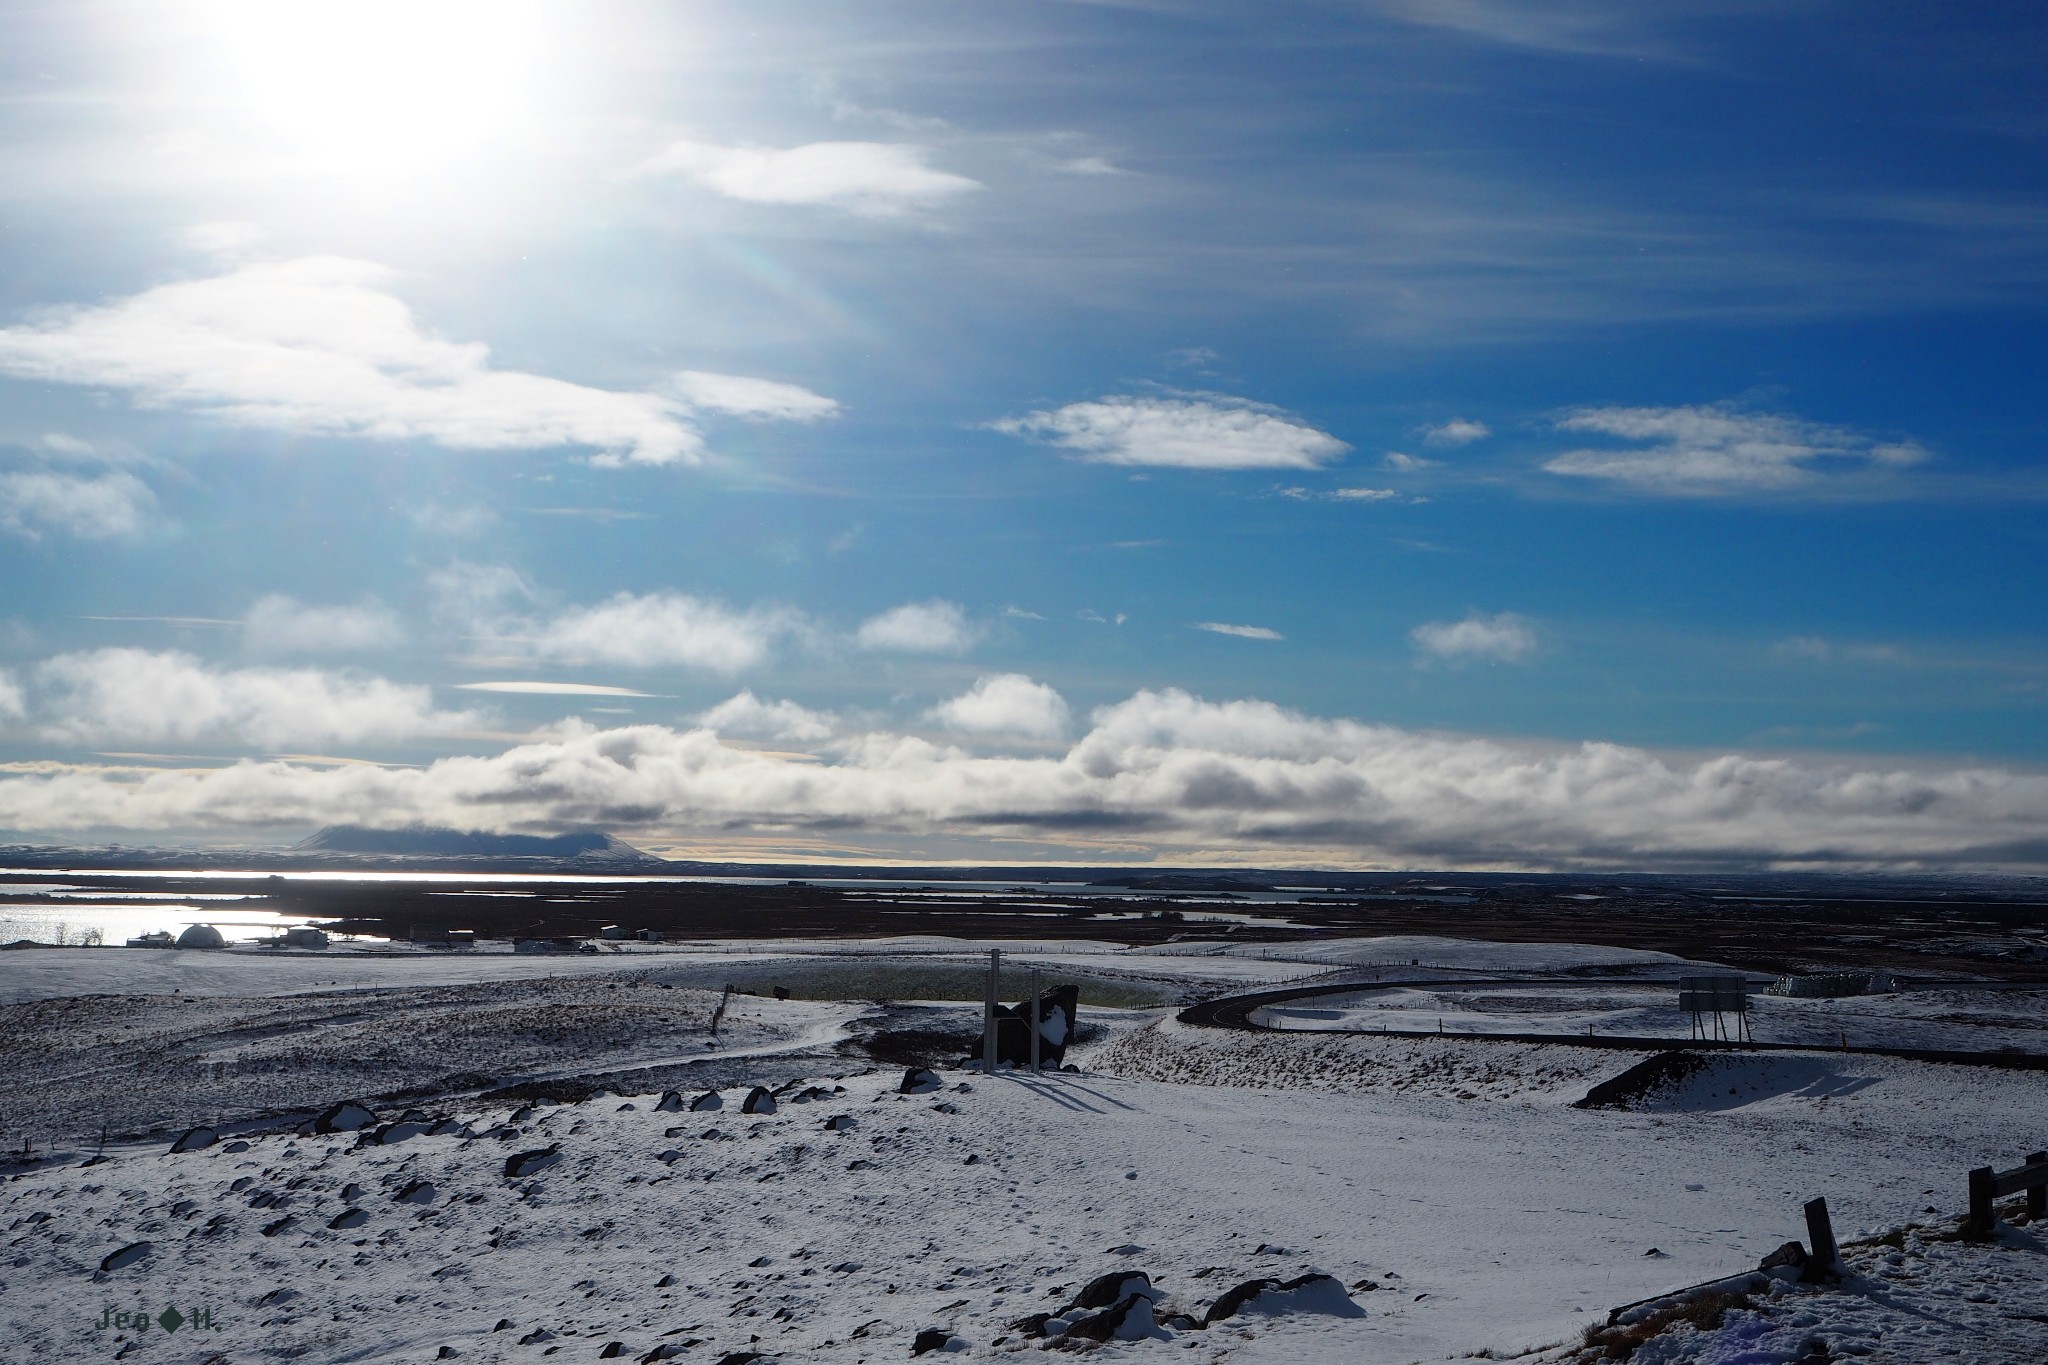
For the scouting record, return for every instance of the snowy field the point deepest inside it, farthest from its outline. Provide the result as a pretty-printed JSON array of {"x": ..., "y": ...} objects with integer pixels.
[
  {"x": 1956, "y": 1018},
  {"x": 1449, "y": 1186}
]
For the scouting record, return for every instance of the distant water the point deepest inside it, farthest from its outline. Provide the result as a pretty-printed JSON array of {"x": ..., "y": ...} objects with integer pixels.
[{"x": 119, "y": 921}]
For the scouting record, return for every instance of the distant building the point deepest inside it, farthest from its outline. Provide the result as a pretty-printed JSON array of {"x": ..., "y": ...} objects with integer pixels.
[
  {"x": 158, "y": 938},
  {"x": 614, "y": 932},
  {"x": 305, "y": 936},
  {"x": 202, "y": 936}
]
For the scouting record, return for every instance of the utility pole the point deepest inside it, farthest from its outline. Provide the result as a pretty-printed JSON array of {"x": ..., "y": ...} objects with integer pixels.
[{"x": 988, "y": 1012}]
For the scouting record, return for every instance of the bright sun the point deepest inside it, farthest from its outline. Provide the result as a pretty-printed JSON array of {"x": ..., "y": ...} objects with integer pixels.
[{"x": 368, "y": 85}]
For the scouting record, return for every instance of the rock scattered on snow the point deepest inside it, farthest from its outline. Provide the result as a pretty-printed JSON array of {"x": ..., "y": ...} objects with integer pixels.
[
  {"x": 348, "y": 1218},
  {"x": 934, "y": 1339},
  {"x": 759, "y": 1100},
  {"x": 919, "y": 1080},
  {"x": 840, "y": 1123},
  {"x": 126, "y": 1256},
  {"x": 522, "y": 1164},
  {"x": 710, "y": 1099},
  {"x": 1311, "y": 1293},
  {"x": 195, "y": 1139},
  {"x": 415, "y": 1192},
  {"x": 345, "y": 1117}
]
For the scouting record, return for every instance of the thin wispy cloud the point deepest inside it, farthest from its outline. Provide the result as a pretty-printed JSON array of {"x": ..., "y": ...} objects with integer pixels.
[
  {"x": 1501, "y": 638},
  {"x": 874, "y": 179},
  {"x": 655, "y": 630},
  {"x": 1206, "y": 432},
  {"x": 1241, "y": 632},
  {"x": 279, "y": 624},
  {"x": 1721, "y": 451},
  {"x": 320, "y": 346},
  {"x": 551, "y": 689}
]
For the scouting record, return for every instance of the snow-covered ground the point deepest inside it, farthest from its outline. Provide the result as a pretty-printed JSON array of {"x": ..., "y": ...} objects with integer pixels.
[
  {"x": 1959, "y": 1018},
  {"x": 1449, "y": 1184}
]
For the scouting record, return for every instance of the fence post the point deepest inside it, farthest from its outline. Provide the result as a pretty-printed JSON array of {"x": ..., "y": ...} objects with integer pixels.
[
  {"x": 1820, "y": 1239},
  {"x": 988, "y": 1013},
  {"x": 1035, "y": 1020},
  {"x": 1983, "y": 1191}
]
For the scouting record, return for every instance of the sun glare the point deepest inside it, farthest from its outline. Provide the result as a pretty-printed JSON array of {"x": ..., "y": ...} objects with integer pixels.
[{"x": 373, "y": 85}]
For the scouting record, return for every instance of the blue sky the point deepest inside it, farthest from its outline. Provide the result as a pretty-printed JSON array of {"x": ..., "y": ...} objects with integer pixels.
[{"x": 1385, "y": 433}]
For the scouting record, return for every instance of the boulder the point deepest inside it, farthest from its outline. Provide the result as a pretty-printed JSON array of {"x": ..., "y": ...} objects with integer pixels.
[
  {"x": 840, "y": 1123},
  {"x": 1104, "y": 1290},
  {"x": 710, "y": 1099},
  {"x": 195, "y": 1139},
  {"x": 398, "y": 1131},
  {"x": 1310, "y": 1293},
  {"x": 759, "y": 1100},
  {"x": 346, "y": 1117},
  {"x": 348, "y": 1218},
  {"x": 1057, "y": 1013},
  {"x": 919, "y": 1080},
  {"x": 1128, "y": 1319},
  {"x": 522, "y": 1164},
  {"x": 671, "y": 1102},
  {"x": 415, "y": 1192},
  {"x": 126, "y": 1256},
  {"x": 931, "y": 1339}
]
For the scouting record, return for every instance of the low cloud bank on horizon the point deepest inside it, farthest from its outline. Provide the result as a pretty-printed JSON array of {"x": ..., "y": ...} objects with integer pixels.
[{"x": 1161, "y": 774}]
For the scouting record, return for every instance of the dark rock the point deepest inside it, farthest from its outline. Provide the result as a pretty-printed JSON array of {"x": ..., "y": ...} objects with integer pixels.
[
  {"x": 612, "y": 1350},
  {"x": 195, "y": 1139},
  {"x": 446, "y": 1353},
  {"x": 1057, "y": 1013},
  {"x": 1791, "y": 1254},
  {"x": 283, "y": 1224},
  {"x": 1181, "y": 1322},
  {"x": 1034, "y": 1325},
  {"x": 126, "y": 1256},
  {"x": 1104, "y": 1290},
  {"x": 760, "y": 1100},
  {"x": 710, "y": 1099},
  {"x": 345, "y": 1117},
  {"x": 840, "y": 1123},
  {"x": 919, "y": 1080},
  {"x": 415, "y": 1192},
  {"x": 522, "y": 1164},
  {"x": 1310, "y": 1293},
  {"x": 348, "y": 1218},
  {"x": 1128, "y": 1319},
  {"x": 503, "y": 1323},
  {"x": 930, "y": 1339}
]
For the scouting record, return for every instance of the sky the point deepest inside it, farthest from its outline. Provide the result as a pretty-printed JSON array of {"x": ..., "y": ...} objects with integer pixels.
[{"x": 1350, "y": 433}]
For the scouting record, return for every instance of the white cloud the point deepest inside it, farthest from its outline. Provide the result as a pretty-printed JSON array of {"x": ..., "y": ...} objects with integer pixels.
[
  {"x": 111, "y": 506},
  {"x": 1088, "y": 165},
  {"x": 656, "y": 630},
  {"x": 1503, "y": 638},
  {"x": 1339, "y": 494},
  {"x": 1189, "y": 433},
  {"x": 1456, "y": 432},
  {"x": 1818, "y": 650},
  {"x": 319, "y": 346},
  {"x": 223, "y": 238},
  {"x": 1406, "y": 464},
  {"x": 748, "y": 716},
  {"x": 934, "y": 627},
  {"x": 13, "y": 705},
  {"x": 551, "y": 689},
  {"x": 1243, "y": 632},
  {"x": 1005, "y": 704},
  {"x": 277, "y": 624},
  {"x": 145, "y": 696},
  {"x": 1161, "y": 774},
  {"x": 876, "y": 179},
  {"x": 1710, "y": 451},
  {"x": 472, "y": 596},
  {"x": 740, "y": 396}
]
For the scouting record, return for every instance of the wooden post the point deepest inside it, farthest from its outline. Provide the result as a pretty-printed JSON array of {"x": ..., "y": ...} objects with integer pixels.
[
  {"x": 988, "y": 1013},
  {"x": 1035, "y": 1020},
  {"x": 2037, "y": 1195},
  {"x": 1820, "y": 1240},
  {"x": 1983, "y": 1191}
]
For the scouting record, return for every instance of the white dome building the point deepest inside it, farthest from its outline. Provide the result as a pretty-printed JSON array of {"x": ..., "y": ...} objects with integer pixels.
[{"x": 202, "y": 936}]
